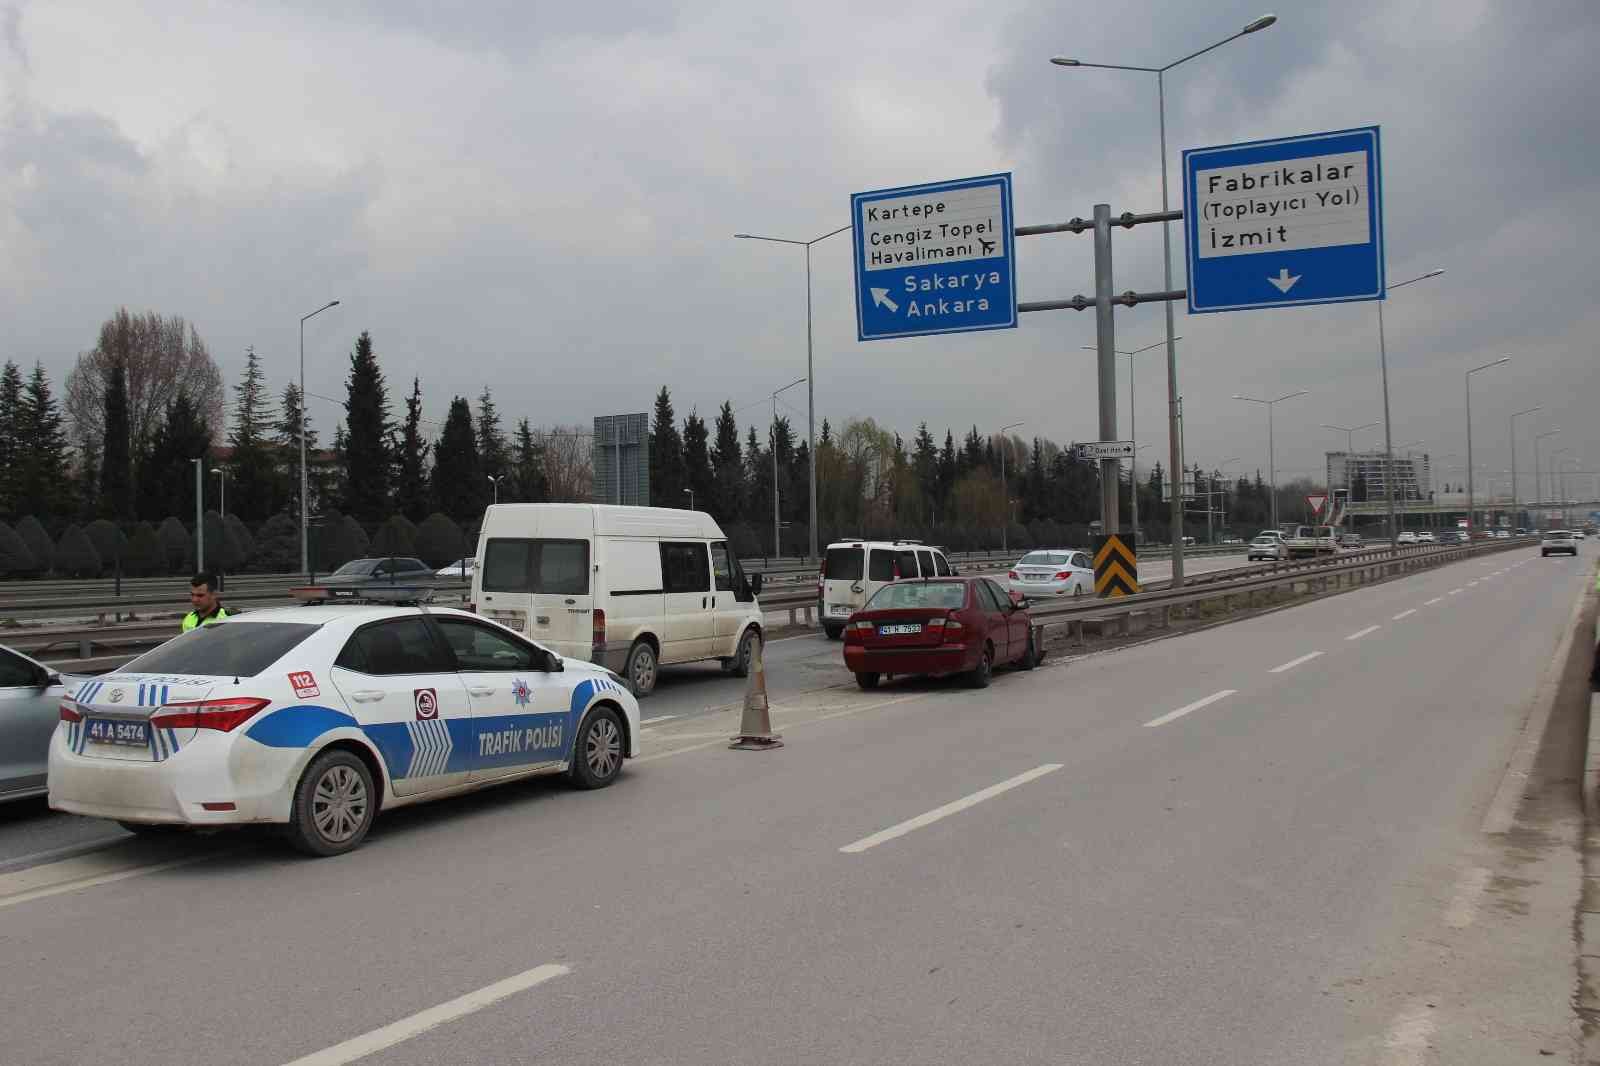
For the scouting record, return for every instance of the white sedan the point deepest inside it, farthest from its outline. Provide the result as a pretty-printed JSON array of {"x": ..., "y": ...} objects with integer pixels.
[
  {"x": 1053, "y": 572},
  {"x": 316, "y": 718},
  {"x": 461, "y": 568}
]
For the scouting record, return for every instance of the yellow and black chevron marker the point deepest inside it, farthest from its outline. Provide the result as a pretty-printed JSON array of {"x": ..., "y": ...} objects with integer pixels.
[{"x": 1116, "y": 566}]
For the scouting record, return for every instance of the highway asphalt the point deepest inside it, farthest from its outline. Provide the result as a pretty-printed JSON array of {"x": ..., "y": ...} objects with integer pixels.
[{"x": 1258, "y": 843}]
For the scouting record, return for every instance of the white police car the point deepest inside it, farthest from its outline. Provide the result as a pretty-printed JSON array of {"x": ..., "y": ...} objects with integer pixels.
[{"x": 317, "y": 717}]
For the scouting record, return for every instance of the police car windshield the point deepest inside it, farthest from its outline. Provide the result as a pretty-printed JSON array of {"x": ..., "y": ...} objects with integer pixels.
[{"x": 239, "y": 649}]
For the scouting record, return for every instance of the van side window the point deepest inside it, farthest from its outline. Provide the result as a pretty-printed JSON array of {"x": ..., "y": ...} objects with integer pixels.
[
  {"x": 722, "y": 567},
  {"x": 926, "y": 559},
  {"x": 908, "y": 563},
  {"x": 685, "y": 567},
  {"x": 941, "y": 564},
  {"x": 880, "y": 565}
]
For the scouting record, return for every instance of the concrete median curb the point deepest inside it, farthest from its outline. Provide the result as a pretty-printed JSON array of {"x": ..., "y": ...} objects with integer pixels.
[{"x": 1591, "y": 759}]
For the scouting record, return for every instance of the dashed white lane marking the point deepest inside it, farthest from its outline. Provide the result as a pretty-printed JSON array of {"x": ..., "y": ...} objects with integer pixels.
[
  {"x": 1406, "y": 1043},
  {"x": 1436, "y": 599},
  {"x": 1358, "y": 634},
  {"x": 659, "y": 718},
  {"x": 1472, "y": 584},
  {"x": 1190, "y": 708},
  {"x": 1464, "y": 906},
  {"x": 938, "y": 813},
  {"x": 1292, "y": 663},
  {"x": 1457, "y": 592},
  {"x": 1404, "y": 614},
  {"x": 406, "y": 1028}
]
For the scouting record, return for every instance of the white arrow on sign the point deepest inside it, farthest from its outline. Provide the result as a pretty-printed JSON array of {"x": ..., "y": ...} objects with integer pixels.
[
  {"x": 1283, "y": 281},
  {"x": 881, "y": 298}
]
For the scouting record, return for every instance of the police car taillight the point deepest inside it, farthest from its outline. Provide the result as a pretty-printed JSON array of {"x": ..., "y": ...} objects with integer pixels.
[
  {"x": 222, "y": 715},
  {"x": 69, "y": 713}
]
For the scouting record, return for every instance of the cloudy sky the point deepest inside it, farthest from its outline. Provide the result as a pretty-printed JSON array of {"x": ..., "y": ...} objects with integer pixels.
[{"x": 540, "y": 198}]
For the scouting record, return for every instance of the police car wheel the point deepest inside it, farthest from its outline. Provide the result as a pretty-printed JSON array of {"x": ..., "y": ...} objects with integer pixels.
[
  {"x": 739, "y": 665},
  {"x": 641, "y": 669},
  {"x": 598, "y": 758},
  {"x": 333, "y": 805}
]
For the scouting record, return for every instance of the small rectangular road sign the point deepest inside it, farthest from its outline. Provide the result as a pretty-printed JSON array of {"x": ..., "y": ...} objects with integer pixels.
[
  {"x": 1106, "y": 449},
  {"x": 1284, "y": 223},
  {"x": 935, "y": 258}
]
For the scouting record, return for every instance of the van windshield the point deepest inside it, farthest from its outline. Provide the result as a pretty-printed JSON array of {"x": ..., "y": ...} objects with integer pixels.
[
  {"x": 844, "y": 564},
  {"x": 553, "y": 567}
]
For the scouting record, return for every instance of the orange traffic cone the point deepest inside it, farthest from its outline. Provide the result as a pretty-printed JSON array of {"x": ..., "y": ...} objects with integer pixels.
[{"x": 755, "y": 725}]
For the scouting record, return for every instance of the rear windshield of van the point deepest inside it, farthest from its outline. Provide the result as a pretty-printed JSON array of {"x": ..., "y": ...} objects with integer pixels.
[
  {"x": 844, "y": 564},
  {"x": 554, "y": 567}
]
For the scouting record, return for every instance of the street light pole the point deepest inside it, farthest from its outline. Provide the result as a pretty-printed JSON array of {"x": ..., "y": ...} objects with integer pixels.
[
  {"x": 305, "y": 525},
  {"x": 1516, "y": 501},
  {"x": 691, "y": 498},
  {"x": 1005, "y": 522},
  {"x": 1272, "y": 463},
  {"x": 1175, "y": 444},
  {"x": 777, "y": 545},
  {"x": 1388, "y": 428},
  {"x": 811, "y": 374},
  {"x": 495, "y": 481},
  {"x": 1538, "y": 476},
  {"x": 1472, "y": 519},
  {"x": 199, "y": 514}
]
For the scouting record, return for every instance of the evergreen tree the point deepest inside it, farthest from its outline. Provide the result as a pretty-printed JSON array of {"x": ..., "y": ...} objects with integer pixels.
[
  {"x": 167, "y": 472},
  {"x": 727, "y": 459},
  {"x": 925, "y": 463},
  {"x": 259, "y": 486},
  {"x": 337, "y": 492},
  {"x": 441, "y": 541},
  {"x": 174, "y": 544},
  {"x": 42, "y": 466},
  {"x": 972, "y": 452},
  {"x": 698, "y": 475},
  {"x": 15, "y": 558},
  {"x": 411, "y": 466},
  {"x": 529, "y": 482},
  {"x": 368, "y": 465},
  {"x": 492, "y": 451},
  {"x": 144, "y": 557},
  {"x": 75, "y": 554},
  {"x": 33, "y": 534},
  {"x": 667, "y": 480},
  {"x": 457, "y": 475},
  {"x": 286, "y": 440},
  {"x": 86, "y": 480},
  {"x": 10, "y": 439},
  {"x": 949, "y": 471},
  {"x": 758, "y": 489},
  {"x": 1034, "y": 504}
]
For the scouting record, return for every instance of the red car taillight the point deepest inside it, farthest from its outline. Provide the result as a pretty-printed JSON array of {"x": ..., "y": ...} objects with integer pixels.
[
  {"x": 1063, "y": 575},
  {"x": 599, "y": 639},
  {"x": 223, "y": 715},
  {"x": 1012, "y": 575},
  {"x": 70, "y": 714},
  {"x": 954, "y": 631}
]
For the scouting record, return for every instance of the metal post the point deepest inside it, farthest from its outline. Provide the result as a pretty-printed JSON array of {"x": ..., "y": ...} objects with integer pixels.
[
  {"x": 199, "y": 514},
  {"x": 1176, "y": 443},
  {"x": 811, "y": 412},
  {"x": 777, "y": 545},
  {"x": 1133, "y": 460},
  {"x": 1472, "y": 519},
  {"x": 1388, "y": 438},
  {"x": 1005, "y": 503},
  {"x": 305, "y": 545},
  {"x": 1272, "y": 466},
  {"x": 1105, "y": 348}
]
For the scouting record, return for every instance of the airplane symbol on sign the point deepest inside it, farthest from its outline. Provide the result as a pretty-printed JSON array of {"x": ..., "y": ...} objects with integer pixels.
[{"x": 988, "y": 246}]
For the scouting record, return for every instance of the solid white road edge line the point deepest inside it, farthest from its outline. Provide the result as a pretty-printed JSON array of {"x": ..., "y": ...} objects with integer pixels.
[
  {"x": 1171, "y": 716},
  {"x": 1436, "y": 599},
  {"x": 26, "y": 895},
  {"x": 406, "y": 1028},
  {"x": 939, "y": 813},
  {"x": 1404, "y": 614},
  {"x": 1358, "y": 634},
  {"x": 1292, "y": 663}
]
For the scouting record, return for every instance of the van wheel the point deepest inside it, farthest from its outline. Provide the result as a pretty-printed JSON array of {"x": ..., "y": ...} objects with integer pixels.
[
  {"x": 739, "y": 665},
  {"x": 641, "y": 668}
]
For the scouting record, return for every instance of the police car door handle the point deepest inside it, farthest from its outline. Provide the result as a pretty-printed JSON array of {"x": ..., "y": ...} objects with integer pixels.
[
  {"x": 481, "y": 690},
  {"x": 367, "y": 695}
]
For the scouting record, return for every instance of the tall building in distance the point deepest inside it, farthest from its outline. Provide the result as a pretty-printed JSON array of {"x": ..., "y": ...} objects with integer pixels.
[{"x": 1365, "y": 475}]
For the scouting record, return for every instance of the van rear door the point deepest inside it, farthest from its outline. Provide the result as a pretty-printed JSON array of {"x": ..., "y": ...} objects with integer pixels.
[
  {"x": 842, "y": 590},
  {"x": 540, "y": 587}
]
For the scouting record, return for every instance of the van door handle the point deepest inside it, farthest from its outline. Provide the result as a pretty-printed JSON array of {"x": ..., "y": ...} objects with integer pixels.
[
  {"x": 481, "y": 690},
  {"x": 367, "y": 695},
  {"x": 571, "y": 602}
]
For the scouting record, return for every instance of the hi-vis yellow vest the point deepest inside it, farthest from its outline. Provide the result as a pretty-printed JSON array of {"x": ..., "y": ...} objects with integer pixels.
[{"x": 191, "y": 619}]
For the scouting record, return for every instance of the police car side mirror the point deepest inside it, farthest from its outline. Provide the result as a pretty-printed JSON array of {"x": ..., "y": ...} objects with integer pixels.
[{"x": 552, "y": 664}]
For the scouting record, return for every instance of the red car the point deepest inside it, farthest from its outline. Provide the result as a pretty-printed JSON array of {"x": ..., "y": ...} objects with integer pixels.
[{"x": 953, "y": 625}]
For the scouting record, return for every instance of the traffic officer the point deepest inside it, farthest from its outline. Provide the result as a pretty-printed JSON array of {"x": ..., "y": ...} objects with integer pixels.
[{"x": 203, "y": 599}]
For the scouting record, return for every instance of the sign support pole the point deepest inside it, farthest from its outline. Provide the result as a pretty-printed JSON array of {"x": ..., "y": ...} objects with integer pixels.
[{"x": 1106, "y": 358}]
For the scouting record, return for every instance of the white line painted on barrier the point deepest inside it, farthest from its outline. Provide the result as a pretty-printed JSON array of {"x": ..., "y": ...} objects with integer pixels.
[
  {"x": 1292, "y": 663},
  {"x": 1406, "y": 1043},
  {"x": 1436, "y": 599},
  {"x": 1172, "y": 716},
  {"x": 1463, "y": 907},
  {"x": 1404, "y": 614},
  {"x": 1358, "y": 634},
  {"x": 406, "y": 1028},
  {"x": 940, "y": 813}
]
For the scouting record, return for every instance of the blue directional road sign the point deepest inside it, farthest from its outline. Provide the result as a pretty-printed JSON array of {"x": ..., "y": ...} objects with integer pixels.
[
  {"x": 934, "y": 258},
  {"x": 1283, "y": 223}
]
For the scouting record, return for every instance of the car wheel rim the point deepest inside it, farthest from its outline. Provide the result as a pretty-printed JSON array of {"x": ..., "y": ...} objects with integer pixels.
[
  {"x": 644, "y": 669},
  {"x": 747, "y": 651},
  {"x": 604, "y": 748},
  {"x": 339, "y": 804}
]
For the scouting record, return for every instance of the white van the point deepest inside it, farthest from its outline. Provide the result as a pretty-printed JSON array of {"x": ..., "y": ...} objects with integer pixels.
[
  {"x": 630, "y": 588},
  {"x": 854, "y": 570}
]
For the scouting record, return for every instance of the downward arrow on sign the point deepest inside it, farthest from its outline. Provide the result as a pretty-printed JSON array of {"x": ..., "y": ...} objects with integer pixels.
[
  {"x": 1283, "y": 281},
  {"x": 881, "y": 298}
]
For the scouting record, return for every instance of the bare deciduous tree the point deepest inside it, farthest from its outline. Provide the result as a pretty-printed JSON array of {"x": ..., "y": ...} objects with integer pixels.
[
  {"x": 569, "y": 462},
  {"x": 161, "y": 355}
]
